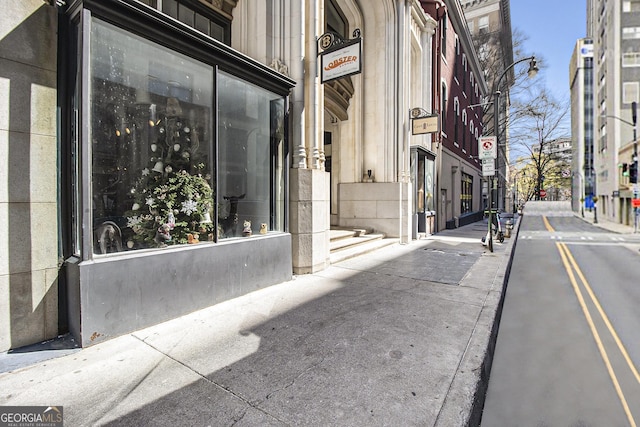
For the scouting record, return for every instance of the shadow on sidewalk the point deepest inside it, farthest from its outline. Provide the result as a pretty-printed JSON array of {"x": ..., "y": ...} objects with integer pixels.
[
  {"x": 377, "y": 342},
  {"x": 35, "y": 353}
]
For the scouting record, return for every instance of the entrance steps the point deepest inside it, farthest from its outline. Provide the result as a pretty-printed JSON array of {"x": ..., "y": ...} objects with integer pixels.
[{"x": 352, "y": 242}]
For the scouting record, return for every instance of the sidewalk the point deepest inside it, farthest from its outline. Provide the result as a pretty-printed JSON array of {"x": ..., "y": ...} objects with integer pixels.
[
  {"x": 400, "y": 336},
  {"x": 606, "y": 224}
]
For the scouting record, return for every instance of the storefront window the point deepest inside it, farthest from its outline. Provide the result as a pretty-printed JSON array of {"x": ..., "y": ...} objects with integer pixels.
[
  {"x": 466, "y": 193},
  {"x": 251, "y": 158},
  {"x": 159, "y": 176},
  {"x": 151, "y": 112}
]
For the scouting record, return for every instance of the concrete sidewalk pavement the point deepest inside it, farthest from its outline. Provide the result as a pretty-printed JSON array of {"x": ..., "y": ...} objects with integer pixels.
[
  {"x": 400, "y": 336},
  {"x": 605, "y": 223}
]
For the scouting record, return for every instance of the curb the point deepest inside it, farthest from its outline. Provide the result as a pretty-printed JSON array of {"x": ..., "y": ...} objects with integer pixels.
[{"x": 464, "y": 403}]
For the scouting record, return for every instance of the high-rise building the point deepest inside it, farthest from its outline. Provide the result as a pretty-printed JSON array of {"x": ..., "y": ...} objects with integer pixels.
[
  {"x": 582, "y": 121},
  {"x": 614, "y": 26}
]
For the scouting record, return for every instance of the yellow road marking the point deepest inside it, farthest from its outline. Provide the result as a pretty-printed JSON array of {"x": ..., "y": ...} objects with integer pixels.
[
  {"x": 594, "y": 331},
  {"x": 604, "y": 316},
  {"x": 598, "y": 306},
  {"x": 569, "y": 262}
]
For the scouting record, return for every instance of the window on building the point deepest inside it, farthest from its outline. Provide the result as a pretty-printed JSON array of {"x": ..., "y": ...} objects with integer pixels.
[
  {"x": 196, "y": 15},
  {"x": 456, "y": 62},
  {"x": 464, "y": 72},
  {"x": 443, "y": 34},
  {"x": 631, "y": 59},
  {"x": 466, "y": 193},
  {"x": 483, "y": 24},
  {"x": 464, "y": 129},
  {"x": 631, "y": 6},
  {"x": 335, "y": 20},
  {"x": 631, "y": 33},
  {"x": 443, "y": 106},
  {"x": 630, "y": 92},
  {"x": 456, "y": 118},
  {"x": 179, "y": 151}
]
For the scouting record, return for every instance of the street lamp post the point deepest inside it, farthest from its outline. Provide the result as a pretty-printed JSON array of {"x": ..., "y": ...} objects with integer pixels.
[{"x": 533, "y": 70}]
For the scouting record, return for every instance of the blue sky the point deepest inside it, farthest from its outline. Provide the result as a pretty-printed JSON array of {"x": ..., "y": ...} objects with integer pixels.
[{"x": 552, "y": 28}]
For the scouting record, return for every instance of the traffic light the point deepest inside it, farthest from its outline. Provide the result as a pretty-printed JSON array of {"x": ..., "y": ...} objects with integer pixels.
[
  {"x": 633, "y": 172},
  {"x": 625, "y": 169}
]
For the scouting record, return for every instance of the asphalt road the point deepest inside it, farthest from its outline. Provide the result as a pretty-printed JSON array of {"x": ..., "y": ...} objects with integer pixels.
[{"x": 568, "y": 347}]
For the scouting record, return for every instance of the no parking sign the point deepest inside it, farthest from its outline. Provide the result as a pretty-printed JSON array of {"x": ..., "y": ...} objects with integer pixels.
[{"x": 487, "y": 147}]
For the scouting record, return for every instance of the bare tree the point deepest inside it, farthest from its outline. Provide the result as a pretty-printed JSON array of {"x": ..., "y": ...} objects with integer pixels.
[
  {"x": 539, "y": 125},
  {"x": 491, "y": 55}
]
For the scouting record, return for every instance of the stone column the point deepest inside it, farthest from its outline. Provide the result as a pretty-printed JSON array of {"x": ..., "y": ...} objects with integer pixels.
[
  {"x": 402, "y": 117},
  {"x": 309, "y": 183}
]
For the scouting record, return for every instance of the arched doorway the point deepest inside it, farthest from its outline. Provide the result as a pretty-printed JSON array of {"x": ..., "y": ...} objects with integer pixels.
[{"x": 337, "y": 95}]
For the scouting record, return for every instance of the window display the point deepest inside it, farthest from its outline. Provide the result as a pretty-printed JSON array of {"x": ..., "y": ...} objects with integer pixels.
[
  {"x": 466, "y": 194},
  {"x": 153, "y": 149},
  {"x": 250, "y": 157},
  {"x": 151, "y": 144}
]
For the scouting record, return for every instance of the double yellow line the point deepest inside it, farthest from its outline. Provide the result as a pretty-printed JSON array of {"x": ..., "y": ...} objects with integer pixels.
[{"x": 571, "y": 266}]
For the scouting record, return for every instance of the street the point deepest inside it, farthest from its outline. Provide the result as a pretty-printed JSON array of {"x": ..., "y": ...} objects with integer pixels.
[{"x": 568, "y": 350}]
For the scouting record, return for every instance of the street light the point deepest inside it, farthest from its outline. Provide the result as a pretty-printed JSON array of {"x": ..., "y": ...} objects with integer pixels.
[{"x": 533, "y": 70}]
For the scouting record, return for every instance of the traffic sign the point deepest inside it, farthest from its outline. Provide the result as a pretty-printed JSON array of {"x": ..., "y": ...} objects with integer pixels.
[
  {"x": 543, "y": 193},
  {"x": 488, "y": 167},
  {"x": 487, "y": 147},
  {"x": 635, "y": 203}
]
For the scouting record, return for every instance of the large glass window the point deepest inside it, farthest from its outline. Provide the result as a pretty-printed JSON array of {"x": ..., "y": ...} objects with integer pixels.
[
  {"x": 151, "y": 113},
  {"x": 466, "y": 193},
  {"x": 251, "y": 157},
  {"x": 159, "y": 174}
]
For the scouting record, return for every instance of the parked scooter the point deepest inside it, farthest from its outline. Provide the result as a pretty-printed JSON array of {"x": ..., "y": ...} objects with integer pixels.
[{"x": 497, "y": 232}]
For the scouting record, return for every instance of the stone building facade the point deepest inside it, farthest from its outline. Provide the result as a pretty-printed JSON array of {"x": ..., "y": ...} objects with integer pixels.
[{"x": 164, "y": 156}]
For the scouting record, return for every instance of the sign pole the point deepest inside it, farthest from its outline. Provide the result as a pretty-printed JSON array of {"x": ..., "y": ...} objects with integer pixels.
[{"x": 488, "y": 151}]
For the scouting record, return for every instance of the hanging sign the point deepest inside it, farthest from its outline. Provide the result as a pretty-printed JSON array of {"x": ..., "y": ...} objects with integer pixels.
[
  {"x": 487, "y": 147},
  {"x": 423, "y": 122},
  {"x": 424, "y": 125},
  {"x": 340, "y": 57},
  {"x": 342, "y": 62}
]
